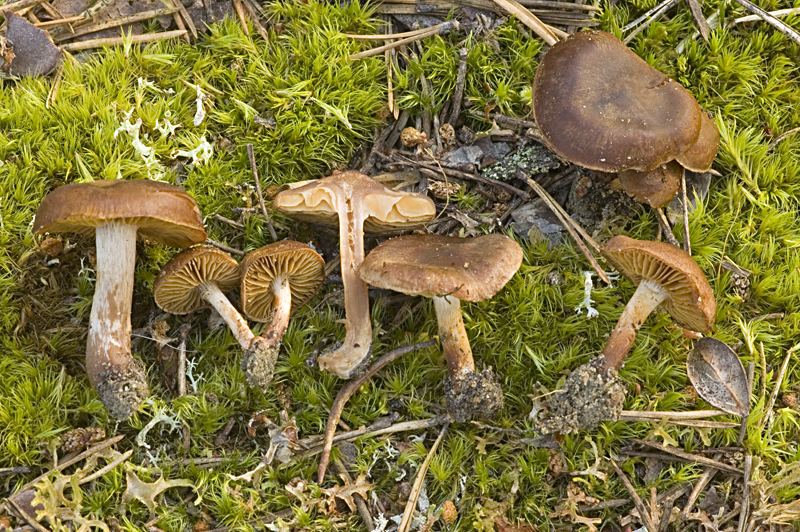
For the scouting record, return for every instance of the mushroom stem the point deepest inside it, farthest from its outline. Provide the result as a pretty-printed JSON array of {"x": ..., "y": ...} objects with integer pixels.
[
  {"x": 346, "y": 360},
  {"x": 649, "y": 294},
  {"x": 112, "y": 370},
  {"x": 455, "y": 342},
  {"x": 281, "y": 309},
  {"x": 211, "y": 293}
]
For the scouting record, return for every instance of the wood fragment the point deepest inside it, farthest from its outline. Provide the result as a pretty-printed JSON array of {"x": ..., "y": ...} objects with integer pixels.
[
  {"x": 251, "y": 10},
  {"x": 769, "y": 19},
  {"x": 115, "y": 41},
  {"x": 702, "y": 460},
  {"x": 228, "y": 221},
  {"x": 644, "y": 515},
  {"x": 31, "y": 520},
  {"x": 252, "y": 157},
  {"x": 186, "y": 17}
]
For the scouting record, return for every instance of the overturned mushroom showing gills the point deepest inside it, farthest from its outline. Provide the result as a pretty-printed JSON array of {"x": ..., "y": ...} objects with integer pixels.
[
  {"x": 276, "y": 279},
  {"x": 665, "y": 276},
  {"x": 199, "y": 277},
  {"x": 354, "y": 203},
  {"x": 449, "y": 270},
  {"x": 601, "y": 106},
  {"x": 115, "y": 212}
]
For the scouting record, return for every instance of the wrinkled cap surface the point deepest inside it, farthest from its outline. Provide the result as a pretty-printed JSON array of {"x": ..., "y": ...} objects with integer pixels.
[
  {"x": 471, "y": 269},
  {"x": 655, "y": 187},
  {"x": 699, "y": 157},
  {"x": 162, "y": 212},
  {"x": 601, "y": 106},
  {"x": 691, "y": 300},
  {"x": 175, "y": 289},
  {"x": 303, "y": 267},
  {"x": 385, "y": 210}
]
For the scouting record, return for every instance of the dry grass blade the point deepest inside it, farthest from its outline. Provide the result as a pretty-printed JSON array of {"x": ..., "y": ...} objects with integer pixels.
[
  {"x": 774, "y": 395},
  {"x": 113, "y": 23},
  {"x": 429, "y": 32},
  {"x": 252, "y": 158},
  {"x": 223, "y": 247},
  {"x": 637, "y": 501},
  {"x": 687, "y": 241},
  {"x": 776, "y": 14},
  {"x": 702, "y": 460},
  {"x": 393, "y": 36},
  {"x": 655, "y": 14},
  {"x": 57, "y": 22},
  {"x": 695, "y": 414},
  {"x": 405, "y": 524},
  {"x": 116, "y": 41},
  {"x": 347, "y": 392},
  {"x": 769, "y": 19},
  {"x": 702, "y": 482},
  {"x": 20, "y": 5},
  {"x": 239, "y": 8},
  {"x": 529, "y": 19}
]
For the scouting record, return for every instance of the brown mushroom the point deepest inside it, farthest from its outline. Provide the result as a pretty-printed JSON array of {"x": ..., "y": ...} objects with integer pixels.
[
  {"x": 199, "y": 277},
  {"x": 601, "y": 106},
  {"x": 449, "y": 270},
  {"x": 354, "y": 203},
  {"x": 115, "y": 212},
  {"x": 275, "y": 280},
  {"x": 665, "y": 276}
]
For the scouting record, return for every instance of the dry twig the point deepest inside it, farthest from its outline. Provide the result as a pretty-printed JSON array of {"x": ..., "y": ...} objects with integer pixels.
[{"x": 252, "y": 157}]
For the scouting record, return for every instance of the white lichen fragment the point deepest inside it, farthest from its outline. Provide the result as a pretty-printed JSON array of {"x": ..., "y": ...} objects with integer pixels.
[
  {"x": 200, "y": 114},
  {"x": 160, "y": 416},
  {"x": 168, "y": 129},
  {"x": 591, "y": 312},
  {"x": 132, "y": 128},
  {"x": 199, "y": 155}
]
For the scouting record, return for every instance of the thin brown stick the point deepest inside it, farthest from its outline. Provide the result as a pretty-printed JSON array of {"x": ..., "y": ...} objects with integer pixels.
[
  {"x": 702, "y": 482},
  {"x": 571, "y": 228},
  {"x": 57, "y": 22},
  {"x": 115, "y": 41},
  {"x": 644, "y": 514},
  {"x": 223, "y": 247},
  {"x": 363, "y": 507},
  {"x": 392, "y": 36},
  {"x": 429, "y": 32},
  {"x": 751, "y": 370},
  {"x": 112, "y": 23},
  {"x": 252, "y": 157},
  {"x": 408, "y": 513},
  {"x": 184, "y": 335},
  {"x": 665, "y": 228},
  {"x": 658, "y": 415},
  {"x": 687, "y": 244},
  {"x": 769, "y": 19},
  {"x": 782, "y": 136},
  {"x": 466, "y": 177},
  {"x": 529, "y": 19},
  {"x": 461, "y": 79},
  {"x": 700, "y": 423},
  {"x": 347, "y": 392},
  {"x": 31, "y": 520},
  {"x": 228, "y": 221},
  {"x": 774, "y": 395},
  {"x": 251, "y": 10},
  {"x": 745, "y": 508},
  {"x": 20, "y": 5},
  {"x": 186, "y": 17},
  {"x": 702, "y": 460},
  {"x": 239, "y": 8}
]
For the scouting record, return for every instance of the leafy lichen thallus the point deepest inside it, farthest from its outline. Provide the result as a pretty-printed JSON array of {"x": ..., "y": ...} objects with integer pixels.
[
  {"x": 449, "y": 270},
  {"x": 116, "y": 212},
  {"x": 355, "y": 203},
  {"x": 665, "y": 276}
]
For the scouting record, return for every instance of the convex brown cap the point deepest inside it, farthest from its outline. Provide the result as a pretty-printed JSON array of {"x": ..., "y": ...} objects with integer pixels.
[
  {"x": 691, "y": 300},
  {"x": 162, "y": 212},
  {"x": 470, "y": 269},
  {"x": 302, "y": 266},
  {"x": 175, "y": 288},
  {"x": 601, "y": 106},
  {"x": 384, "y": 210}
]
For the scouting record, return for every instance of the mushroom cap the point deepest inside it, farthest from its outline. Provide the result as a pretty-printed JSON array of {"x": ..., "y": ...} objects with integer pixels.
[
  {"x": 175, "y": 288},
  {"x": 700, "y": 156},
  {"x": 386, "y": 210},
  {"x": 691, "y": 300},
  {"x": 655, "y": 187},
  {"x": 162, "y": 212},
  {"x": 301, "y": 265},
  {"x": 601, "y": 106},
  {"x": 471, "y": 269}
]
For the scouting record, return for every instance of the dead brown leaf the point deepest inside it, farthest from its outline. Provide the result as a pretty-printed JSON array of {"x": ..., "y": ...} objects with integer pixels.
[{"x": 345, "y": 493}]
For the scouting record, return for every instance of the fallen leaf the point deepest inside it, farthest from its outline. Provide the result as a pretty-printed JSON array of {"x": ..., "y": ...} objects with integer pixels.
[
  {"x": 718, "y": 376},
  {"x": 34, "y": 54},
  {"x": 345, "y": 493}
]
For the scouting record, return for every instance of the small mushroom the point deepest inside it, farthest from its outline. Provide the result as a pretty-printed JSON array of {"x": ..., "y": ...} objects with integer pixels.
[
  {"x": 665, "y": 276},
  {"x": 116, "y": 212},
  {"x": 449, "y": 270},
  {"x": 199, "y": 277},
  {"x": 275, "y": 280},
  {"x": 354, "y": 203},
  {"x": 601, "y": 106}
]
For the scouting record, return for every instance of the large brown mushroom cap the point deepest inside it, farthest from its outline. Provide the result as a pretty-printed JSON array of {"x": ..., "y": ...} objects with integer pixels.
[
  {"x": 163, "y": 212},
  {"x": 700, "y": 156},
  {"x": 470, "y": 269},
  {"x": 691, "y": 300},
  {"x": 175, "y": 289},
  {"x": 601, "y": 106},
  {"x": 301, "y": 265},
  {"x": 386, "y": 210}
]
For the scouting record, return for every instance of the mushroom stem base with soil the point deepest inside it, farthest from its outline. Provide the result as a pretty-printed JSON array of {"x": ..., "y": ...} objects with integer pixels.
[
  {"x": 118, "y": 377},
  {"x": 469, "y": 394},
  {"x": 259, "y": 354},
  {"x": 258, "y": 361},
  {"x": 649, "y": 294}
]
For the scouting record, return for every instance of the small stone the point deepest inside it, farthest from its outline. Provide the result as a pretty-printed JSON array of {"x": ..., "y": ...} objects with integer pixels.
[
  {"x": 535, "y": 221},
  {"x": 411, "y": 137},
  {"x": 467, "y": 155}
]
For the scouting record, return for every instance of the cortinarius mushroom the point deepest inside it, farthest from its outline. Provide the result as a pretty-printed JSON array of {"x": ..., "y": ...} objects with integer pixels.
[
  {"x": 355, "y": 203},
  {"x": 601, "y": 106},
  {"x": 665, "y": 276},
  {"x": 449, "y": 270},
  {"x": 275, "y": 280},
  {"x": 198, "y": 277},
  {"x": 115, "y": 212}
]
